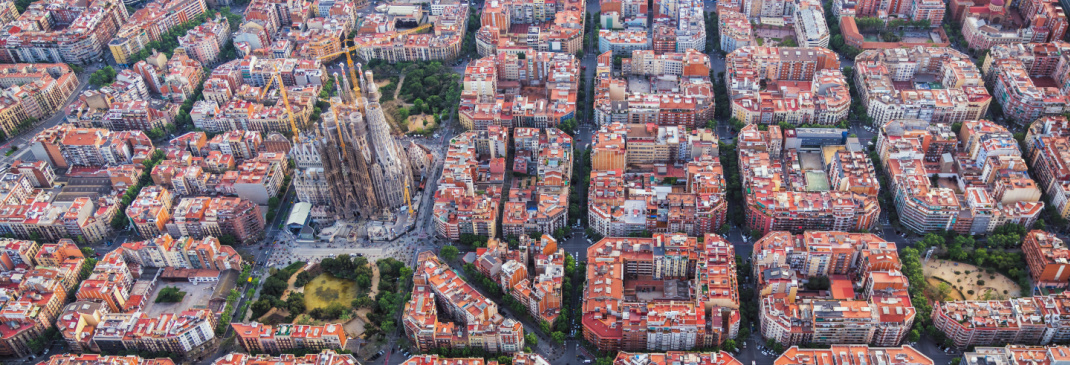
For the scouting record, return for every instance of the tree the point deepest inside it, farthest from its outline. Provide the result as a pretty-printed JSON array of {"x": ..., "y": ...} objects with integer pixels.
[
  {"x": 558, "y": 337},
  {"x": 119, "y": 221},
  {"x": 818, "y": 283},
  {"x": 364, "y": 282},
  {"x": 944, "y": 290},
  {"x": 544, "y": 326},
  {"x": 170, "y": 295},
  {"x": 296, "y": 303},
  {"x": 101, "y": 77},
  {"x": 260, "y": 307},
  {"x": 729, "y": 345},
  {"x": 388, "y": 327},
  {"x": 531, "y": 339},
  {"x": 930, "y": 240},
  {"x": 227, "y": 239},
  {"x": 273, "y": 286},
  {"x": 448, "y": 253},
  {"x": 913, "y": 336},
  {"x": 363, "y": 301},
  {"x": 980, "y": 255}
]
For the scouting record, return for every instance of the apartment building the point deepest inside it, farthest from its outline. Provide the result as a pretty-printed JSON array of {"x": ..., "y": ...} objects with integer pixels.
[
  {"x": 623, "y": 42},
  {"x": 109, "y": 283},
  {"x": 810, "y": 28},
  {"x": 1038, "y": 320},
  {"x": 1029, "y": 80},
  {"x": 204, "y": 42},
  {"x": 164, "y": 251},
  {"x": 48, "y": 218},
  {"x": 265, "y": 338},
  {"x": 675, "y": 357},
  {"x": 545, "y": 157},
  {"x": 1012, "y": 353},
  {"x": 853, "y": 171},
  {"x": 492, "y": 90},
  {"x": 38, "y": 279},
  {"x": 1047, "y": 257},
  {"x": 325, "y": 357},
  {"x": 60, "y": 31},
  {"x": 436, "y": 360},
  {"x": 469, "y": 189},
  {"x": 31, "y": 92},
  {"x": 175, "y": 333},
  {"x": 242, "y": 144},
  {"x": 676, "y": 26},
  {"x": 534, "y": 273},
  {"x": 151, "y": 210},
  {"x": 664, "y": 316},
  {"x": 787, "y": 193},
  {"x": 8, "y": 12},
  {"x": 682, "y": 95},
  {"x": 90, "y": 359},
  {"x": 150, "y": 24},
  {"x": 806, "y": 86},
  {"x": 320, "y": 40},
  {"x": 989, "y": 23},
  {"x": 993, "y": 185},
  {"x": 378, "y": 37},
  {"x": 1046, "y": 150},
  {"x": 633, "y": 190},
  {"x": 64, "y": 146},
  {"x": 256, "y": 181},
  {"x": 78, "y": 321},
  {"x": 478, "y": 323},
  {"x": 140, "y": 115},
  {"x": 38, "y": 173},
  {"x": 546, "y": 27},
  {"x": 852, "y": 354},
  {"x": 735, "y": 30},
  {"x": 199, "y": 217},
  {"x": 235, "y": 98},
  {"x": 791, "y": 315},
  {"x": 891, "y": 85}
]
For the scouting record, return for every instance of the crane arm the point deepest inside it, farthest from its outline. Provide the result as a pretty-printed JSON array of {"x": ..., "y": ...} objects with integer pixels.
[
  {"x": 266, "y": 88},
  {"x": 286, "y": 101}
]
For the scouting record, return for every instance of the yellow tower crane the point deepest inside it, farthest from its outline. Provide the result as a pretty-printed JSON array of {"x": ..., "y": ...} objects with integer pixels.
[{"x": 277, "y": 80}]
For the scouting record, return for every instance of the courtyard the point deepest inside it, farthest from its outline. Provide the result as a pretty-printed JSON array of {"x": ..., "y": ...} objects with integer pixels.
[
  {"x": 968, "y": 282},
  {"x": 197, "y": 295}
]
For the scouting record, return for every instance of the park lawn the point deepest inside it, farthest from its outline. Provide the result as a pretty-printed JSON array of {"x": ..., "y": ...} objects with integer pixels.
[{"x": 326, "y": 289}]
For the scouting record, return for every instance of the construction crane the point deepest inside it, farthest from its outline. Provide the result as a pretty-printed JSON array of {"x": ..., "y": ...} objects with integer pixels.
[
  {"x": 286, "y": 101},
  {"x": 350, "y": 47},
  {"x": 408, "y": 201},
  {"x": 266, "y": 88}
]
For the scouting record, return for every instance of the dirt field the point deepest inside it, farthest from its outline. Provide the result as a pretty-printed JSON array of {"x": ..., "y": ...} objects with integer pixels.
[
  {"x": 955, "y": 293},
  {"x": 326, "y": 289},
  {"x": 965, "y": 277},
  {"x": 420, "y": 122},
  {"x": 196, "y": 294}
]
